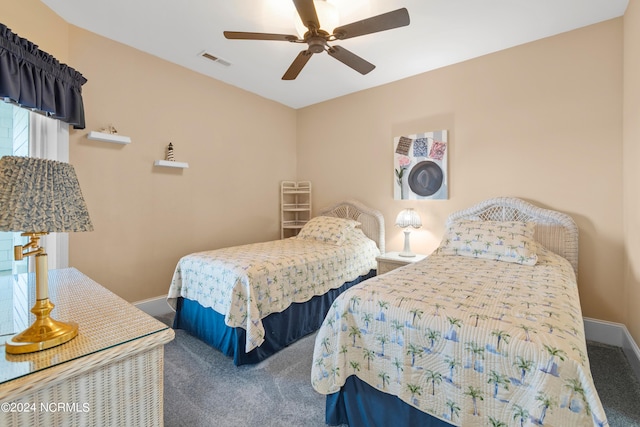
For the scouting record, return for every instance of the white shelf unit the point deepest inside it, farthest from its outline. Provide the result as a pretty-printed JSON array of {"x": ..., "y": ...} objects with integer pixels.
[
  {"x": 171, "y": 164},
  {"x": 295, "y": 206},
  {"x": 108, "y": 137}
]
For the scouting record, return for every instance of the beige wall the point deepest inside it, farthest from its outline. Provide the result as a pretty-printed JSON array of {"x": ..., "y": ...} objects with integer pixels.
[
  {"x": 32, "y": 20},
  {"x": 542, "y": 121},
  {"x": 239, "y": 147},
  {"x": 631, "y": 167}
]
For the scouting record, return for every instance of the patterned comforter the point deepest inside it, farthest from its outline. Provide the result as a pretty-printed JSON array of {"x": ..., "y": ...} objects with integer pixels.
[
  {"x": 470, "y": 341},
  {"x": 247, "y": 283}
]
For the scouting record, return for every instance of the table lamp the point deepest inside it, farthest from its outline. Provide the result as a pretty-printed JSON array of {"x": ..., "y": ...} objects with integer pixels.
[
  {"x": 39, "y": 196},
  {"x": 408, "y": 219}
]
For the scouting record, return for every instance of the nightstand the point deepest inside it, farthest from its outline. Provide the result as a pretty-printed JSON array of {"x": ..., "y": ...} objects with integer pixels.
[{"x": 392, "y": 260}]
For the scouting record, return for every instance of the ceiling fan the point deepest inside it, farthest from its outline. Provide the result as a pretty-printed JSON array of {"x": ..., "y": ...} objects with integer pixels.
[{"x": 317, "y": 39}]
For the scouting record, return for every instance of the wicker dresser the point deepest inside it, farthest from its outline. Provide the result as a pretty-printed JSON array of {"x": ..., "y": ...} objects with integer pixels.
[{"x": 111, "y": 374}]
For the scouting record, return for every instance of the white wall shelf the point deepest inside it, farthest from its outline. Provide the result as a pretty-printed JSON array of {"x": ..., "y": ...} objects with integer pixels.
[
  {"x": 295, "y": 206},
  {"x": 108, "y": 137},
  {"x": 171, "y": 164}
]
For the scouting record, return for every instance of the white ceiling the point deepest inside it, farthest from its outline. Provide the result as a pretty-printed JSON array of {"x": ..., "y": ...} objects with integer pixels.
[{"x": 442, "y": 32}]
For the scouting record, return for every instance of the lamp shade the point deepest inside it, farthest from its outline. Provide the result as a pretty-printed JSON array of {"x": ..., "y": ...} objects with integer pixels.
[
  {"x": 408, "y": 218},
  {"x": 39, "y": 195}
]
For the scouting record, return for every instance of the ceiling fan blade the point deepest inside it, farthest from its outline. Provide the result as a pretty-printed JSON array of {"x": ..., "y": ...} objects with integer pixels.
[
  {"x": 351, "y": 59},
  {"x": 386, "y": 21},
  {"x": 239, "y": 35},
  {"x": 307, "y": 12},
  {"x": 297, "y": 65}
]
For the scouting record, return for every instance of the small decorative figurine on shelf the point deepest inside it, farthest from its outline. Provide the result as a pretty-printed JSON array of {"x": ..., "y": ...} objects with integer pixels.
[
  {"x": 109, "y": 129},
  {"x": 169, "y": 156}
]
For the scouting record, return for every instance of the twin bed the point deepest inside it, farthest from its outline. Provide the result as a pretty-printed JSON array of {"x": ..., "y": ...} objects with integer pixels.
[
  {"x": 250, "y": 301},
  {"x": 486, "y": 331}
]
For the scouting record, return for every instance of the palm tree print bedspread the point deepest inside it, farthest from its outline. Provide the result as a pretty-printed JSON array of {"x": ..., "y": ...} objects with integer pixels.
[
  {"x": 247, "y": 283},
  {"x": 474, "y": 342}
]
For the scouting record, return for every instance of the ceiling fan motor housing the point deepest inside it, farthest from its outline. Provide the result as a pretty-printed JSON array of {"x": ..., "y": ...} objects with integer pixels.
[{"x": 316, "y": 44}]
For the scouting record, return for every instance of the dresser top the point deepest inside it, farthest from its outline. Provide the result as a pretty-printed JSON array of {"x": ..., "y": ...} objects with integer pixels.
[{"x": 104, "y": 319}]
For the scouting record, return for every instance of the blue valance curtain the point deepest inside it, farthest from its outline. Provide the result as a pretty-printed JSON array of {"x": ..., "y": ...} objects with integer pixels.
[{"x": 36, "y": 80}]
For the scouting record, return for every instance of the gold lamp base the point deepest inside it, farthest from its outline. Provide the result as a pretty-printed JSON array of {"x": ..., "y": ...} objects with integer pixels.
[{"x": 44, "y": 333}]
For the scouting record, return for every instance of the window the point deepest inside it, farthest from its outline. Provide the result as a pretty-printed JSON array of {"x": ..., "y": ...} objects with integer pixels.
[
  {"x": 14, "y": 141},
  {"x": 24, "y": 133}
]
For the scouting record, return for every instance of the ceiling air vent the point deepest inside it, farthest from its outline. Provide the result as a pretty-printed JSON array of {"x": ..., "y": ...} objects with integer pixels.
[{"x": 214, "y": 58}]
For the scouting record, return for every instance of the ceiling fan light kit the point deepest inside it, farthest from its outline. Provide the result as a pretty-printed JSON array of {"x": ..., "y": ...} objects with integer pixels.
[
  {"x": 317, "y": 39},
  {"x": 327, "y": 14}
]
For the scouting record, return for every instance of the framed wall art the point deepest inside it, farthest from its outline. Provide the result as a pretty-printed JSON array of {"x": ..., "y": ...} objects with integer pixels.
[{"x": 420, "y": 166}]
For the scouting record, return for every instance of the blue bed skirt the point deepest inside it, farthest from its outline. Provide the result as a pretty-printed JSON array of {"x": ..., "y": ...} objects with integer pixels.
[
  {"x": 282, "y": 329},
  {"x": 358, "y": 404}
]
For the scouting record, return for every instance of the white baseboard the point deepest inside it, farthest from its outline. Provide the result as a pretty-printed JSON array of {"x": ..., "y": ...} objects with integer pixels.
[
  {"x": 157, "y": 306},
  {"x": 615, "y": 334}
]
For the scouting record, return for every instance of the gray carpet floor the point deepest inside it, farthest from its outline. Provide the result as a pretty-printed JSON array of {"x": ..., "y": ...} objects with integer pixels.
[
  {"x": 618, "y": 387},
  {"x": 203, "y": 387}
]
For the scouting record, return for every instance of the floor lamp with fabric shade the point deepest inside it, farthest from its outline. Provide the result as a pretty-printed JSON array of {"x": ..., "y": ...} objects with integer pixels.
[{"x": 37, "y": 197}]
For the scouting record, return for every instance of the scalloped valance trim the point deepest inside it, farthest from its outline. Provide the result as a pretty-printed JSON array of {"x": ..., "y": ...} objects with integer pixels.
[{"x": 36, "y": 80}]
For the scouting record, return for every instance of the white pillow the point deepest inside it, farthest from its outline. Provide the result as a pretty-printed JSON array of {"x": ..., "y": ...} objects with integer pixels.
[
  {"x": 510, "y": 241},
  {"x": 328, "y": 229}
]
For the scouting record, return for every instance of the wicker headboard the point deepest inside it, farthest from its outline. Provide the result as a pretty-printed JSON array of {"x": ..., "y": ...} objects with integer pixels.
[
  {"x": 556, "y": 231},
  {"x": 371, "y": 219}
]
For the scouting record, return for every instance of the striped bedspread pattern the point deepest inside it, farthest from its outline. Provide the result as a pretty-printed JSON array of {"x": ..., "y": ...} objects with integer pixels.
[{"x": 470, "y": 341}]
